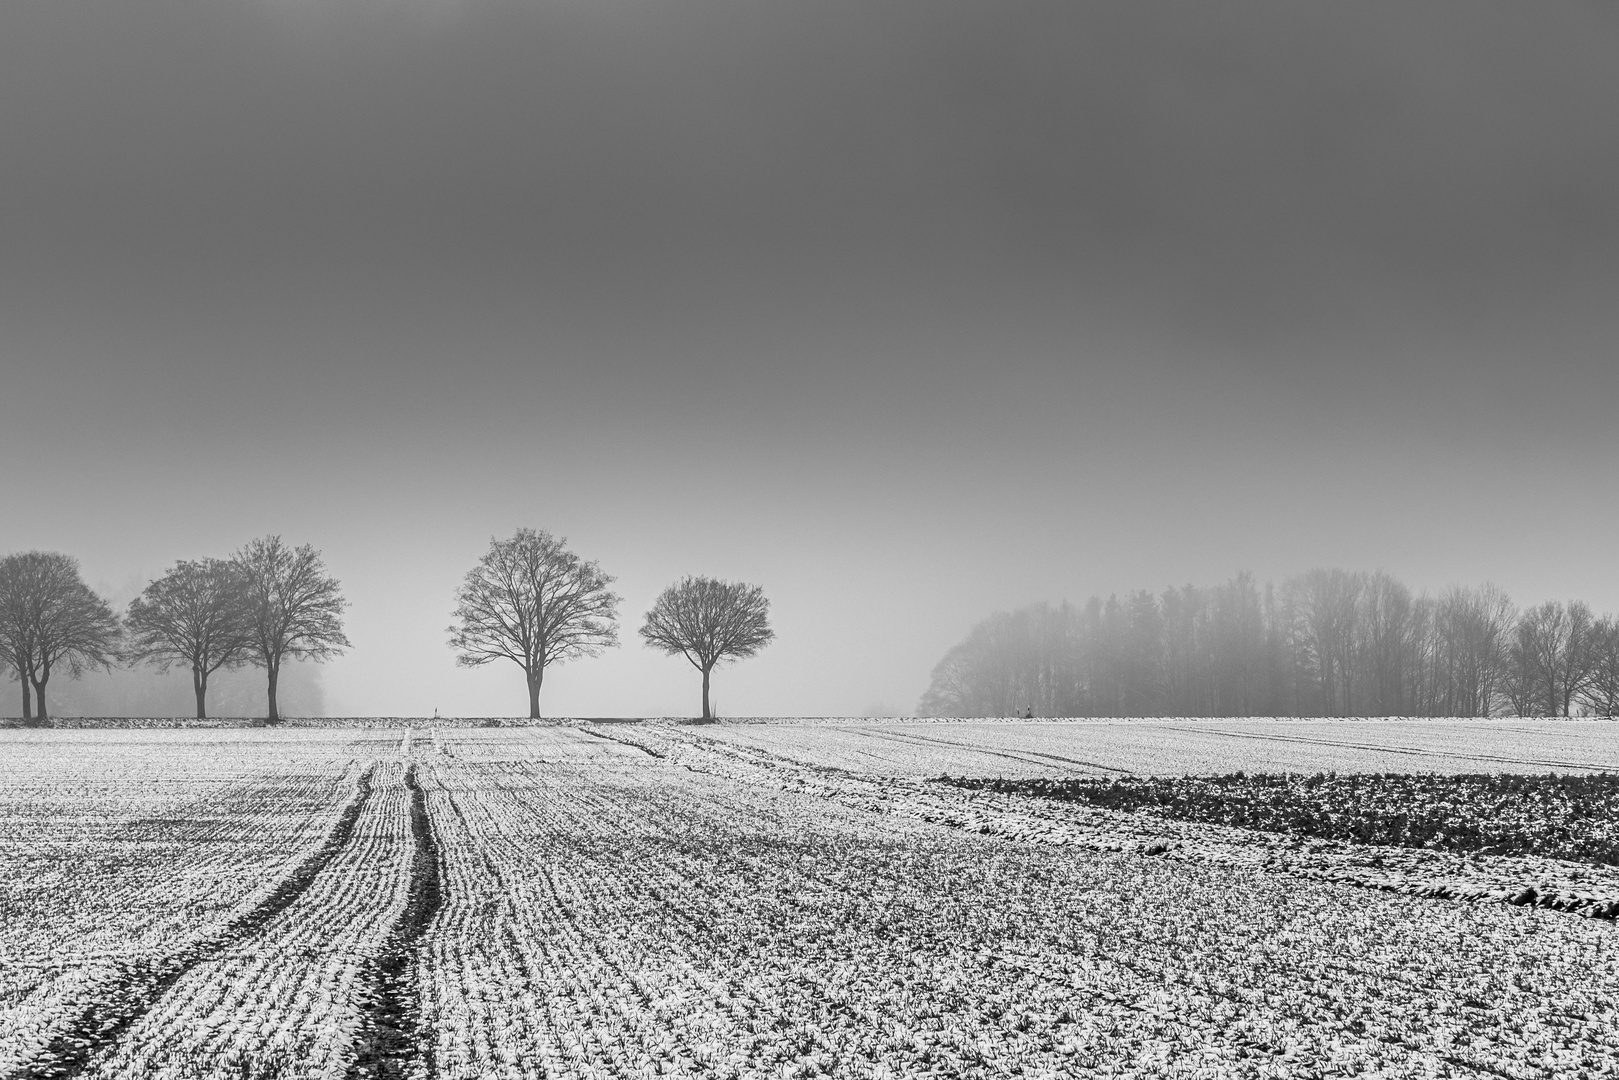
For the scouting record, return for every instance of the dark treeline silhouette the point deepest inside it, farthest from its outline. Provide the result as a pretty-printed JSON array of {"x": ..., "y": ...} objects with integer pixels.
[{"x": 1328, "y": 642}]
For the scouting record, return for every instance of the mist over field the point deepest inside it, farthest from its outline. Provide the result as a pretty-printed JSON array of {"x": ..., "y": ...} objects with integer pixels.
[{"x": 908, "y": 314}]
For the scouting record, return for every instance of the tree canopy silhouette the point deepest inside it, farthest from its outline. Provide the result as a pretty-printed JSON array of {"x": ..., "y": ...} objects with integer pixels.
[
  {"x": 50, "y": 619},
  {"x": 708, "y": 622},
  {"x": 532, "y": 601},
  {"x": 197, "y": 615},
  {"x": 294, "y": 609}
]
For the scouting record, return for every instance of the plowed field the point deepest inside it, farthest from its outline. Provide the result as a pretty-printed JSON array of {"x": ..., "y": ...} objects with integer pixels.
[{"x": 638, "y": 900}]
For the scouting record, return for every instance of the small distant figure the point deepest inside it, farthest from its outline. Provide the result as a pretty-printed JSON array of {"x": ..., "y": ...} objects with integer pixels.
[
  {"x": 1028, "y": 713},
  {"x": 435, "y": 714}
]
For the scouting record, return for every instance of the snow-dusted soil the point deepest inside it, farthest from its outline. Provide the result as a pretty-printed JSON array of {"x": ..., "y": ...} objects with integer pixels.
[
  {"x": 1194, "y": 747},
  {"x": 656, "y": 899}
]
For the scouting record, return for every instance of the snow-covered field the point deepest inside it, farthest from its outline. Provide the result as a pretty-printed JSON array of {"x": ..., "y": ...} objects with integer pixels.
[
  {"x": 766, "y": 900},
  {"x": 1185, "y": 747}
]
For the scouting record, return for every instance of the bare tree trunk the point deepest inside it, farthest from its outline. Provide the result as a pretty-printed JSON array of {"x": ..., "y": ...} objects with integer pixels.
[
  {"x": 27, "y": 697},
  {"x": 274, "y": 716},
  {"x": 40, "y": 714},
  {"x": 199, "y": 683},
  {"x": 707, "y": 715},
  {"x": 535, "y": 678}
]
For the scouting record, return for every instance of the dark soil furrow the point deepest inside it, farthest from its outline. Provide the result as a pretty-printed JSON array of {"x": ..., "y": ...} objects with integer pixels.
[
  {"x": 1028, "y": 757},
  {"x": 1410, "y": 751},
  {"x": 622, "y": 741},
  {"x": 392, "y": 1038},
  {"x": 140, "y": 983},
  {"x": 1562, "y": 817}
]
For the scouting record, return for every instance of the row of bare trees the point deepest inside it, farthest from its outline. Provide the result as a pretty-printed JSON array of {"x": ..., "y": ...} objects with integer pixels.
[
  {"x": 533, "y": 602},
  {"x": 266, "y": 604},
  {"x": 1328, "y": 642},
  {"x": 529, "y": 600}
]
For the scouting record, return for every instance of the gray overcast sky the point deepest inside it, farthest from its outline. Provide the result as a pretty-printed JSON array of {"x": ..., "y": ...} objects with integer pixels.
[{"x": 906, "y": 311}]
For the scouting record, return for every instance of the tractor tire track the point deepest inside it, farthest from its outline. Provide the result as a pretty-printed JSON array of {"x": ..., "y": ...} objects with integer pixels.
[
  {"x": 1027, "y": 757},
  {"x": 1410, "y": 751},
  {"x": 392, "y": 1040},
  {"x": 139, "y": 983}
]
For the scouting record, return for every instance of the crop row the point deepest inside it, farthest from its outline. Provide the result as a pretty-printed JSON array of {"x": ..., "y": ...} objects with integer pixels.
[
  {"x": 289, "y": 1000},
  {"x": 648, "y": 916},
  {"x": 582, "y": 902},
  {"x": 119, "y": 855}
]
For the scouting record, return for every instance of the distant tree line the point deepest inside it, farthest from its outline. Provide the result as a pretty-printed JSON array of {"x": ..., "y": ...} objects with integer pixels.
[
  {"x": 267, "y": 604},
  {"x": 529, "y": 600},
  {"x": 1328, "y": 642}
]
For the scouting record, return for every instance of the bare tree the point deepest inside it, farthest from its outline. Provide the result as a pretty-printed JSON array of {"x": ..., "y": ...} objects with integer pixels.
[
  {"x": 1141, "y": 661},
  {"x": 1385, "y": 646},
  {"x": 50, "y": 619},
  {"x": 951, "y": 687},
  {"x": 1553, "y": 653},
  {"x": 1323, "y": 604},
  {"x": 293, "y": 608},
  {"x": 532, "y": 601},
  {"x": 1471, "y": 632},
  {"x": 16, "y": 623},
  {"x": 708, "y": 622},
  {"x": 196, "y": 615},
  {"x": 16, "y": 639},
  {"x": 1030, "y": 660},
  {"x": 1520, "y": 687},
  {"x": 1237, "y": 646},
  {"x": 1601, "y": 694}
]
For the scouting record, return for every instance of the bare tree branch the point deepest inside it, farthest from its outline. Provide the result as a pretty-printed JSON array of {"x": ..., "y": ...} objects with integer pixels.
[
  {"x": 197, "y": 615},
  {"x": 49, "y": 619},
  {"x": 709, "y": 621},
  {"x": 532, "y": 601},
  {"x": 293, "y": 607}
]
